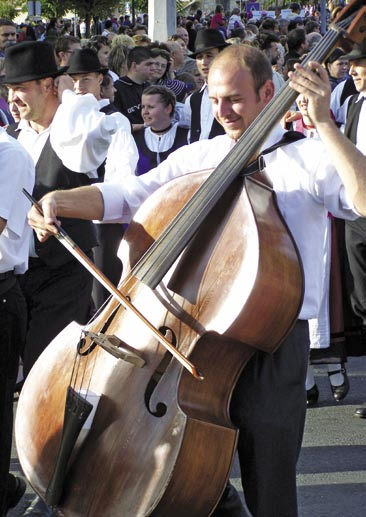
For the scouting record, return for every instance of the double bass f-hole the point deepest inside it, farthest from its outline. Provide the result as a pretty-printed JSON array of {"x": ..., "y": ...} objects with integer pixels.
[{"x": 156, "y": 377}]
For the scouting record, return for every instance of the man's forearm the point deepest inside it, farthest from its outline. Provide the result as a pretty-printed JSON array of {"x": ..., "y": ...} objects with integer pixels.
[{"x": 82, "y": 202}]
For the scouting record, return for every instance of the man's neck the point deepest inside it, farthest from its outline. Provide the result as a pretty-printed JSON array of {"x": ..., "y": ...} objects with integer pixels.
[
  {"x": 43, "y": 123},
  {"x": 135, "y": 78}
]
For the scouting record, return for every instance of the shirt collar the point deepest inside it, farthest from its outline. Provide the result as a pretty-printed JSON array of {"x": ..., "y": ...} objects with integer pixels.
[{"x": 25, "y": 126}]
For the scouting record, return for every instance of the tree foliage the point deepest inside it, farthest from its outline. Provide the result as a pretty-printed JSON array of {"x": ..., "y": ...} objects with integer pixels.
[
  {"x": 8, "y": 8},
  {"x": 55, "y": 8}
]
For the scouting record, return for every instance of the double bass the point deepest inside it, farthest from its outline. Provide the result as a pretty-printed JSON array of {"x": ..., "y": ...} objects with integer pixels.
[{"x": 161, "y": 441}]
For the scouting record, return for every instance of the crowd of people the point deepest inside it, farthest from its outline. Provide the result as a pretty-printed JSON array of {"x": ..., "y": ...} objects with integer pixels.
[{"x": 103, "y": 121}]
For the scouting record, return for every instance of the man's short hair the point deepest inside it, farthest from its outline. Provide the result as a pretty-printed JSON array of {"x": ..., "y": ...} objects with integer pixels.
[
  {"x": 247, "y": 57},
  {"x": 138, "y": 55},
  {"x": 4, "y": 23},
  {"x": 295, "y": 38},
  {"x": 265, "y": 39},
  {"x": 63, "y": 43}
]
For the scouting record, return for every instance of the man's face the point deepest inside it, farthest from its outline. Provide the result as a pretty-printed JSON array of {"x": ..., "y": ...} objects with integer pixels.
[
  {"x": 183, "y": 34},
  {"x": 235, "y": 102},
  {"x": 87, "y": 83},
  {"x": 358, "y": 72},
  {"x": 183, "y": 46},
  {"x": 8, "y": 36},
  {"x": 29, "y": 97},
  {"x": 65, "y": 56},
  {"x": 145, "y": 70},
  {"x": 204, "y": 61},
  {"x": 273, "y": 53},
  {"x": 179, "y": 55}
]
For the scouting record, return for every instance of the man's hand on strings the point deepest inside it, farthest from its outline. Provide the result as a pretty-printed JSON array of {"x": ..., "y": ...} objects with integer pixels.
[{"x": 312, "y": 81}]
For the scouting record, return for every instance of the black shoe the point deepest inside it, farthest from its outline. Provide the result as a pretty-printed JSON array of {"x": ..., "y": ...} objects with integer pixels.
[
  {"x": 14, "y": 496},
  {"x": 360, "y": 412},
  {"x": 38, "y": 508},
  {"x": 339, "y": 392},
  {"x": 312, "y": 396}
]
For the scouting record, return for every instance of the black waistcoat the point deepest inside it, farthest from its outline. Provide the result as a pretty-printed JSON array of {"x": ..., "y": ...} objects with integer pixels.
[
  {"x": 353, "y": 114},
  {"x": 216, "y": 129},
  {"x": 51, "y": 174}
]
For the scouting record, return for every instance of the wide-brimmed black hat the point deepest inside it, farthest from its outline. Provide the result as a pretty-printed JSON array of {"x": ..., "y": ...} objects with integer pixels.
[
  {"x": 30, "y": 61},
  {"x": 85, "y": 61},
  {"x": 207, "y": 39},
  {"x": 358, "y": 52}
]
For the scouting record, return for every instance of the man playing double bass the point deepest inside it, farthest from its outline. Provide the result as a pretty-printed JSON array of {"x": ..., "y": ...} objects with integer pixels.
[{"x": 269, "y": 402}]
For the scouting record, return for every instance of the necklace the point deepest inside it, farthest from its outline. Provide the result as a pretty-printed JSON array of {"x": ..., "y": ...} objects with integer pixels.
[{"x": 160, "y": 131}]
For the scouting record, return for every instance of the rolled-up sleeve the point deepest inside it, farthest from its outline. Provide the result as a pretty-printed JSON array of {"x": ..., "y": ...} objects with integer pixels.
[{"x": 80, "y": 133}]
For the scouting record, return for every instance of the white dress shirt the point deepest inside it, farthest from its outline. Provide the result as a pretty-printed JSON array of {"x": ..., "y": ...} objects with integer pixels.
[
  {"x": 306, "y": 185},
  {"x": 206, "y": 115},
  {"x": 17, "y": 172}
]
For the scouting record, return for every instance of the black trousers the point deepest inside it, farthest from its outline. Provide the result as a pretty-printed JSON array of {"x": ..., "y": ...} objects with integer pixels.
[
  {"x": 55, "y": 297},
  {"x": 355, "y": 237},
  {"x": 13, "y": 324},
  {"x": 269, "y": 407},
  {"x": 105, "y": 258}
]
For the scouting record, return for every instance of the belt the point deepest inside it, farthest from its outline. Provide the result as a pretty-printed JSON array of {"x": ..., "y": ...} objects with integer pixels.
[{"x": 6, "y": 275}]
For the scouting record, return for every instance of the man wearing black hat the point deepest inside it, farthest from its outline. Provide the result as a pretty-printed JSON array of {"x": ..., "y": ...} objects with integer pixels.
[
  {"x": 353, "y": 114},
  {"x": 57, "y": 289},
  {"x": 197, "y": 113},
  {"x": 121, "y": 160}
]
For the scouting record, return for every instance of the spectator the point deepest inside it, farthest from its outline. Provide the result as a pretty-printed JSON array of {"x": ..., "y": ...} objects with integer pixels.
[
  {"x": 235, "y": 21},
  {"x": 160, "y": 75},
  {"x": 337, "y": 67},
  {"x": 268, "y": 42},
  {"x": 8, "y": 35},
  {"x": 197, "y": 113},
  {"x": 121, "y": 158},
  {"x": 218, "y": 21},
  {"x": 297, "y": 44},
  {"x": 65, "y": 46},
  {"x": 140, "y": 66},
  {"x": 101, "y": 45},
  {"x": 161, "y": 136}
]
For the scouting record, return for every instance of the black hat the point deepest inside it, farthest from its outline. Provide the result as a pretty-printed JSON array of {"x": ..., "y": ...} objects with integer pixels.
[
  {"x": 336, "y": 54},
  {"x": 207, "y": 39},
  {"x": 29, "y": 61},
  {"x": 84, "y": 61},
  {"x": 358, "y": 52}
]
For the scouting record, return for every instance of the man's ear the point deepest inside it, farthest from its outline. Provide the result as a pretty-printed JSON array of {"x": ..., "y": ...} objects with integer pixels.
[{"x": 266, "y": 91}]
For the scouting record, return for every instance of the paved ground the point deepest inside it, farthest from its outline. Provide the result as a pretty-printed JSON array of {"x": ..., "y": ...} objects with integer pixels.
[{"x": 332, "y": 466}]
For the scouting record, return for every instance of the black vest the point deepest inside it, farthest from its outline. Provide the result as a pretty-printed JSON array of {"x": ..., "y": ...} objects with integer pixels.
[
  {"x": 216, "y": 129},
  {"x": 109, "y": 109},
  {"x": 51, "y": 174},
  {"x": 147, "y": 158},
  {"x": 353, "y": 115}
]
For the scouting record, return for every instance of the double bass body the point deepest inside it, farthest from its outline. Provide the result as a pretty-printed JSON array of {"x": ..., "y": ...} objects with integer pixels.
[{"x": 162, "y": 442}]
